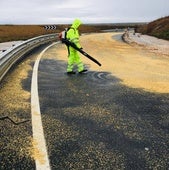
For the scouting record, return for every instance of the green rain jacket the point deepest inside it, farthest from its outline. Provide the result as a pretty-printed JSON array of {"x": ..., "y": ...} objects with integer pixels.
[{"x": 73, "y": 33}]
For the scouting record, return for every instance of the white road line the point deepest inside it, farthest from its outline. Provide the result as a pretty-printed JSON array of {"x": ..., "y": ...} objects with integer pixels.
[{"x": 39, "y": 151}]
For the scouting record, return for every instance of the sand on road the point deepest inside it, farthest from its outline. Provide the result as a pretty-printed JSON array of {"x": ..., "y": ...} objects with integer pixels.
[{"x": 136, "y": 67}]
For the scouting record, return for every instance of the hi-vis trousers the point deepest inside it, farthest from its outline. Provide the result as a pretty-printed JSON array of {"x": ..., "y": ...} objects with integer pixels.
[{"x": 74, "y": 59}]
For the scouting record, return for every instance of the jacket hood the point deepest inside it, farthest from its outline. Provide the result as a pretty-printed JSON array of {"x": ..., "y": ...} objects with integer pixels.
[{"x": 76, "y": 23}]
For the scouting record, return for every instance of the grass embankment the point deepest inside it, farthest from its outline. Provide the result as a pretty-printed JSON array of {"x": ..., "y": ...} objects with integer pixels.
[
  {"x": 23, "y": 32},
  {"x": 158, "y": 28}
]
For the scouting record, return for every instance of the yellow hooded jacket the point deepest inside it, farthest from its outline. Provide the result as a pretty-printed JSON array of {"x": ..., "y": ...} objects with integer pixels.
[{"x": 73, "y": 33}]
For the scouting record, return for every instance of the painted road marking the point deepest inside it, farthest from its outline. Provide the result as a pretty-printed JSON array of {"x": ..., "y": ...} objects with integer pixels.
[{"x": 39, "y": 144}]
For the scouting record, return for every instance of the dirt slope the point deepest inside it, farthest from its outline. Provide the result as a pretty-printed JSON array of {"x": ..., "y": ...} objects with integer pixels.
[{"x": 158, "y": 28}]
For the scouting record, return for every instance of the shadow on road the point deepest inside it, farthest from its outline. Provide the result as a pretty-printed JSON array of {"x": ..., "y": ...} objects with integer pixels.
[{"x": 93, "y": 121}]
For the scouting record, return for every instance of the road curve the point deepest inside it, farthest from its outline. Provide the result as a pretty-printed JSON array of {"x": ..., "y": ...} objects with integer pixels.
[{"x": 113, "y": 117}]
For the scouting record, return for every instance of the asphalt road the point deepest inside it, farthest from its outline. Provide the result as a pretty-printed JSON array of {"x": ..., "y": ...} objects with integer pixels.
[{"x": 114, "y": 117}]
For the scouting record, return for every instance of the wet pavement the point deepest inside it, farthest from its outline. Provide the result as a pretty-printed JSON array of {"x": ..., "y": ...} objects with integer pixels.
[
  {"x": 91, "y": 121},
  {"x": 97, "y": 123}
]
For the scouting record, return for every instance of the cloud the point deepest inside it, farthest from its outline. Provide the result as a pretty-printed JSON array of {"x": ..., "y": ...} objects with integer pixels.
[{"x": 64, "y": 11}]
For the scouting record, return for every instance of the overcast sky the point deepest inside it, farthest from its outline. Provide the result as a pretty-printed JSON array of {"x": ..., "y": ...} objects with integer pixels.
[{"x": 89, "y": 11}]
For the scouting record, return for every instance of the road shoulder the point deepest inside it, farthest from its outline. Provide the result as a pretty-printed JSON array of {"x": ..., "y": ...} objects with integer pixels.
[{"x": 151, "y": 43}]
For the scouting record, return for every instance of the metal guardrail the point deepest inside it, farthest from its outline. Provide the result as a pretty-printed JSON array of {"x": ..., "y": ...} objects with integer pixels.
[{"x": 11, "y": 56}]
